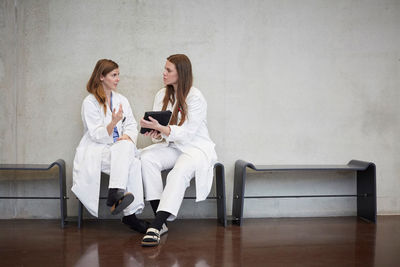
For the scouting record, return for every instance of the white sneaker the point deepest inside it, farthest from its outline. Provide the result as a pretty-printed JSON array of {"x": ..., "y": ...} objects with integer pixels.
[{"x": 164, "y": 229}]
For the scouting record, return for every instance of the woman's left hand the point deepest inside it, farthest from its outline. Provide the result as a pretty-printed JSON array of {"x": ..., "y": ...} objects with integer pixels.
[
  {"x": 124, "y": 137},
  {"x": 153, "y": 134},
  {"x": 152, "y": 124},
  {"x": 158, "y": 128}
]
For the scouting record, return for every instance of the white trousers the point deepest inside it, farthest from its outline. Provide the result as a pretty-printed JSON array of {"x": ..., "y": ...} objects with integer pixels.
[
  {"x": 120, "y": 162},
  {"x": 157, "y": 159}
]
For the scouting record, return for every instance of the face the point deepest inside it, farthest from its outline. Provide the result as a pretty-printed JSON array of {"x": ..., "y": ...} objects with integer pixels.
[
  {"x": 170, "y": 74},
  {"x": 110, "y": 81}
]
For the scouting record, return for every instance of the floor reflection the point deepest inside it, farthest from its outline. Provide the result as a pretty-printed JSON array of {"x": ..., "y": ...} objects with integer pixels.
[
  {"x": 173, "y": 250},
  {"x": 90, "y": 257},
  {"x": 321, "y": 241},
  {"x": 344, "y": 241}
]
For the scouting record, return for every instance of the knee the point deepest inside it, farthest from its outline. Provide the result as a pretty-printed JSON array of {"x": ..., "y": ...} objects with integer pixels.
[
  {"x": 146, "y": 158},
  {"x": 180, "y": 176},
  {"x": 144, "y": 155},
  {"x": 136, "y": 163},
  {"x": 149, "y": 162},
  {"x": 124, "y": 146}
]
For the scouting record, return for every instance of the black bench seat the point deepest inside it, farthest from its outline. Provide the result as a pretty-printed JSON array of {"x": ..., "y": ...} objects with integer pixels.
[
  {"x": 366, "y": 185},
  {"x": 219, "y": 177},
  {"x": 60, "y": 163}
]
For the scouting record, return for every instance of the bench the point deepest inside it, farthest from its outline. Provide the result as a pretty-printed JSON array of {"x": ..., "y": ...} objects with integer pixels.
[
  {"x": 220, "y": 196},
  {"x": 366, "y": 185},
  {"x": 44, "y": 167}
]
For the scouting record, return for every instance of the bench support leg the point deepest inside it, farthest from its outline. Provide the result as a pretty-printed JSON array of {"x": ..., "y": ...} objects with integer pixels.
[
  {"x": 80, "y": 214},
  {"x": 63, "y": 196},
  {"x": 366, "y": 193},
  {"x": 220, "y": 187},
  {"x": 238, "y": 191}
]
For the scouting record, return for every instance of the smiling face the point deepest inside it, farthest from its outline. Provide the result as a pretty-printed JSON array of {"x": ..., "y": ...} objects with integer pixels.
[
  {"x": 111, "y": 80},
  {"x": 170, "y": 74}
]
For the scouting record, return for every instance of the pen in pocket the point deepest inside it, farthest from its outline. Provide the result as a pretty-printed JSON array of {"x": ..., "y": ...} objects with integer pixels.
[{"x": 122, "y": 126}]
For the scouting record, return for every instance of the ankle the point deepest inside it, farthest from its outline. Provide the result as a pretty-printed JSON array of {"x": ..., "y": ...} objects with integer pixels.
[
  {"x": 160, "y": 219},
  {"x": 131, "y": 218}
]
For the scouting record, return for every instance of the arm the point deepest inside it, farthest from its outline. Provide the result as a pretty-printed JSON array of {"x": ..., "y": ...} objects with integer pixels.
[
  {"x": 157, "y": 106},
  {"x": 129, "y": 126},
  {"x": 197, "y": 113},
  {"x": 116, "y": 117},
  {"x": 93, "y": 119}
]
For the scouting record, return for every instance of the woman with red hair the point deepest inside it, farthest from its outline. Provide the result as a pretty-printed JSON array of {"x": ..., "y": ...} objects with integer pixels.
[{"x": 109, "y": 145}]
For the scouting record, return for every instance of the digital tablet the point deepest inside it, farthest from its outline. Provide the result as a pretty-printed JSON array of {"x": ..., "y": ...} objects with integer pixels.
[{"x": 162, "y": 117}]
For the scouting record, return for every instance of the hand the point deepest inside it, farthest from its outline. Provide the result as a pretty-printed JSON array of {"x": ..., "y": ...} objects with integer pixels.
[
  {"x": 124, "y": 137},
  {"x": 153, "y": 134},
  {"x": 152, "y": 124},
  {"x": 117, "y": 116}
]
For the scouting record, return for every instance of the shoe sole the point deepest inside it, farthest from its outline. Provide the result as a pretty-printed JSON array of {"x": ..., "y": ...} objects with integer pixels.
[
  {"x": 122, "y": 204},
  {"x": 150, "y": 244}
]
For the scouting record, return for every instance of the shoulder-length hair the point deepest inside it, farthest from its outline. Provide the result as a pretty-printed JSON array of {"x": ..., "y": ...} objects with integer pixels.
[
  {"x": 94, "y": 85},
  {"x": 185, "y": 80}
]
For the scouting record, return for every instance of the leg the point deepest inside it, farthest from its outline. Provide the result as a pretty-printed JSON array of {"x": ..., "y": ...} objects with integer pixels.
[
  {"x": 178, "y": 180},
  {"x": 116, "y": 160},
  {"x": 154, "y": 205},
  {"x": 154, "y": 160},
  {"x": 122, "y": 154},
  {"x": 135, "y": 186}
]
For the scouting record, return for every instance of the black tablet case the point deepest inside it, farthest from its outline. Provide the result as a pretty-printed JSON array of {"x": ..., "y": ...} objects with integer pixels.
[{"x": 162, "y": 117}]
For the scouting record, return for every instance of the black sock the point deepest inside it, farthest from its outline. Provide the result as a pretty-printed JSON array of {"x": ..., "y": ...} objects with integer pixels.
[
  {"x": 160, "y": 219},
  {"x": 131, "y": 219},
  {"x": 154, "y": 205},
  {"x": 135, "y": 223}
]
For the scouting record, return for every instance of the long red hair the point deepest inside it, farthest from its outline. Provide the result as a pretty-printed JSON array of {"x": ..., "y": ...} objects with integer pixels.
[
  {"x": 185, "y": 81},
  {"x": 94, "y": 86}
]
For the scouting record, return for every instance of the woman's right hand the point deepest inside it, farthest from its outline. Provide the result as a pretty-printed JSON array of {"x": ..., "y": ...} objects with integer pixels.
[{"x": 117, "y": 116}]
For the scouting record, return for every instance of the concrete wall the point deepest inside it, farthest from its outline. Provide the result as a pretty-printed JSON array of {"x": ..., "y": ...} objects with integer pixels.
[{"x": 287, "y": 82}]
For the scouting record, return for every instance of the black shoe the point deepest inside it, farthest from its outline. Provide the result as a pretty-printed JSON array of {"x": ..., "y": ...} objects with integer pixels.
[
  {"x": 118, "y": 201},
  {"x": 138, "y": 225},
  {"x": 114, "y": 194}
]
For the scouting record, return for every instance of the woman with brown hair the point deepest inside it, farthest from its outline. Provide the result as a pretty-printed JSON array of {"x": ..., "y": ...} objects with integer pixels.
[
  {"x": 184, "y": 145},
  {"x": 108, "y": 145}
]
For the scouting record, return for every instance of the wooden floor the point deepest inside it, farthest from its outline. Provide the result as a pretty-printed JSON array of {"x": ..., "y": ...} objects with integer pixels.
[{"x": 344, "y": 241}]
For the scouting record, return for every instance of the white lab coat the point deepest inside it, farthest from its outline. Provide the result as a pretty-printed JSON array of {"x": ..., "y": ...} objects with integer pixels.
[
  {"x": 192, "y": 133},
  {"x": 88, "y": 156}
]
